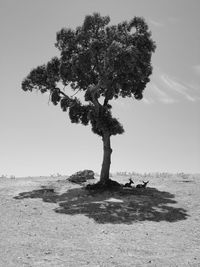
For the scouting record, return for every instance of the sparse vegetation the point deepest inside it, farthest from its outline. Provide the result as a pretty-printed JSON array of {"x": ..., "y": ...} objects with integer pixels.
[
  {"x": 4, "y": 176},
  {"x": 49, "y": 221}
]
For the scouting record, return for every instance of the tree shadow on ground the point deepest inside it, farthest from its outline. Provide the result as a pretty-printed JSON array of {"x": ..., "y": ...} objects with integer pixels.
[{"x": 121, "y": 206}]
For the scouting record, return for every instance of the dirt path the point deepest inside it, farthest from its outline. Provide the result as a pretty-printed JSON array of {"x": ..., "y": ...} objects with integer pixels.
[{"x": 71, "y": 227}]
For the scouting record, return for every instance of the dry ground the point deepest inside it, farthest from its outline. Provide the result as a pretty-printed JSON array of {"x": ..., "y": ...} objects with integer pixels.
[{"x": 71, "y": 227}]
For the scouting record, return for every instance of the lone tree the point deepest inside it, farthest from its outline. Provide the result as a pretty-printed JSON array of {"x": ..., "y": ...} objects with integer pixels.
[{"x": 103, "y": 61}]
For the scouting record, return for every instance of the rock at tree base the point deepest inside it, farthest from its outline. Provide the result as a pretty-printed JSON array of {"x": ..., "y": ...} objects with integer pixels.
[{"x": 81, "y": 176}]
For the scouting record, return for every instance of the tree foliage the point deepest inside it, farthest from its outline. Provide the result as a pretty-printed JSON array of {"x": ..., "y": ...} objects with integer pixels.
[{"x": 102, "y": 60}]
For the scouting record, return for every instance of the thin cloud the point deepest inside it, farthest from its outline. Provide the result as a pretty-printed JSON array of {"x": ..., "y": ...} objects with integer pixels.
[
  {"x": 156, "y": 23},
  {"x": 147, "y": 100},
  {"x": 197, "y": 69},
  {"x": 159, "y": 24},
  {"x": 166, "y": 90},
  {"x": 178, "y": 87},
  {"x": 161, "y": 95},
  {"x": 194, "y": 86}
]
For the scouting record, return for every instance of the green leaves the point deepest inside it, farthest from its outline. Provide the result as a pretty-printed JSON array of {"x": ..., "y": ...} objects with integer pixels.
[
  {"x": 104, "y": 122},
  {"x": 53, "y": 71},
  {"x": 37, "y": 79},
  {"x": 65, "y": 39},
  {"x": 78, "y": 113},
  {"x": 117, "y": 55},
  {"x": 44, "y": 77},
  {"x": 113, "y": 59},
  {"x": 55, "y": 96},
  {"x": 95, "y": 22},
  {"x": 65, "y": 103}
]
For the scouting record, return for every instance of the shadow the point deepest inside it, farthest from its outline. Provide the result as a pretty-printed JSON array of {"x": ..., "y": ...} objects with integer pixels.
[{"x": 121, "y": 206}]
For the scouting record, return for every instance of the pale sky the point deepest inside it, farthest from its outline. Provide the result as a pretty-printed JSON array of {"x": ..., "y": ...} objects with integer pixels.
[{"x": 162, "y": 132}]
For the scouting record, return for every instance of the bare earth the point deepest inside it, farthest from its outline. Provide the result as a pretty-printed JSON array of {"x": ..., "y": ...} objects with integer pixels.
[{"x": 71, "y": 227}]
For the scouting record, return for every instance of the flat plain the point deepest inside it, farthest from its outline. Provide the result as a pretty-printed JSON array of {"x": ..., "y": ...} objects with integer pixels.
[{"x": 46, "y": 221}]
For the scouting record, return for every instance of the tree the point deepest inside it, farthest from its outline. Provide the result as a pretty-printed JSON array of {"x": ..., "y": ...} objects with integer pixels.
[{"x": 103, "y": 61}]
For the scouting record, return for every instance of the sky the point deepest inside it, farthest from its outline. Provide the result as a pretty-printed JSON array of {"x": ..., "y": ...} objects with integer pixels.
[{"x": 162, "y": 131}]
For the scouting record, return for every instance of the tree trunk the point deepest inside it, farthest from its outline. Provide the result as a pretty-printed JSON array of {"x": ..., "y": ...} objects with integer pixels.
[{"x": 105, "y": 170}]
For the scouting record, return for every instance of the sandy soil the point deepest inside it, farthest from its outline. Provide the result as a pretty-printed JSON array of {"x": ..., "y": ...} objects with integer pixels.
[{"x": 69, "y": 226}]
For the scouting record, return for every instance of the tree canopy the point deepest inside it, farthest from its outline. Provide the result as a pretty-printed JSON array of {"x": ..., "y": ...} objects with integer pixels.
[{"x": 104, "y": 61}]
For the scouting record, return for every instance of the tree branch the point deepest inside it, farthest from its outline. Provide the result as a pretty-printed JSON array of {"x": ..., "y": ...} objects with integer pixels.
[
  {"x": 62, "y": 93},
  {"x": 94, "y": 95},
  {"x": 75, "y": 93},
  {"x": 105, "y": 103}
]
